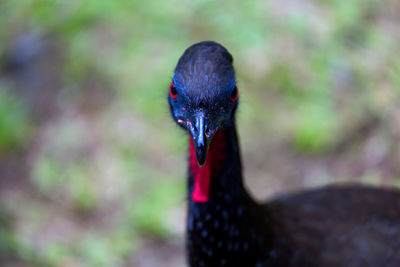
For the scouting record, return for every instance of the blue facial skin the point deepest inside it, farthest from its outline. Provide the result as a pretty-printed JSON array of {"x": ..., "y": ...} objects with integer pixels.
[
  {"x": 218, "y": 113},
  {"x": 201, "y": 117}
]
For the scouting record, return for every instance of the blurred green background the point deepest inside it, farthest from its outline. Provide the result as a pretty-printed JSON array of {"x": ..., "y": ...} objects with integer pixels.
[{"x": 93, "y": 170}]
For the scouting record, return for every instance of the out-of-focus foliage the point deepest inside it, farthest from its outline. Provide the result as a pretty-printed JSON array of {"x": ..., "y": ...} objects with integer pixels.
[
  {"x": 92, "y": 169},
  {"x": 14, "y": 122}
]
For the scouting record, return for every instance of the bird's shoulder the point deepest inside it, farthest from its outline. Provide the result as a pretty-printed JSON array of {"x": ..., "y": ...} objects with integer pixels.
[{"x": 333, "y": 225}]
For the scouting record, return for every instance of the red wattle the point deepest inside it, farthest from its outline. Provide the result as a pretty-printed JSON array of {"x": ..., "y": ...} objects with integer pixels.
[{"x": 202, "y": 175}]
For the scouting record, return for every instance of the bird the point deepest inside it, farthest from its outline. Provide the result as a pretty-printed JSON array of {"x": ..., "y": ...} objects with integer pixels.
[{"x": 335, "y": 225}]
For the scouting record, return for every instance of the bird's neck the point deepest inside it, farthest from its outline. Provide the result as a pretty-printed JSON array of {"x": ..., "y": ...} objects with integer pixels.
[
  {"x": 223, "y": 227},
  {"x": 222, "y": 172}
]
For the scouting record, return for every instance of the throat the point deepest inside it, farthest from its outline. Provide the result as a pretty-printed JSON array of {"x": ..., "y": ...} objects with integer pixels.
[
  {"x": 221, "y": 171},
  {"x": 221, "y": 224}
]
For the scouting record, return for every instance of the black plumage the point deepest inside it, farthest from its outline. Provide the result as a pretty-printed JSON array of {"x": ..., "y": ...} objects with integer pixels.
[{"x": 331, "y": 226}]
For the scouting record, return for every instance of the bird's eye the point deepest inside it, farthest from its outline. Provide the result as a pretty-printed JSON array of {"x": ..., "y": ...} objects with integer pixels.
[
  {"x": 234, "y": 94},
  {"x": 172, "y": 91}
]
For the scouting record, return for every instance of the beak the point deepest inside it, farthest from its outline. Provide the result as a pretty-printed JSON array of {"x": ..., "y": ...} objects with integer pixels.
[{"x": 200, "y": 140}]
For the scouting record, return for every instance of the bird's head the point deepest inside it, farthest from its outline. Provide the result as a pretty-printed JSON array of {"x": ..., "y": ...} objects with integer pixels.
[{"x": 203, "y": 95}]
